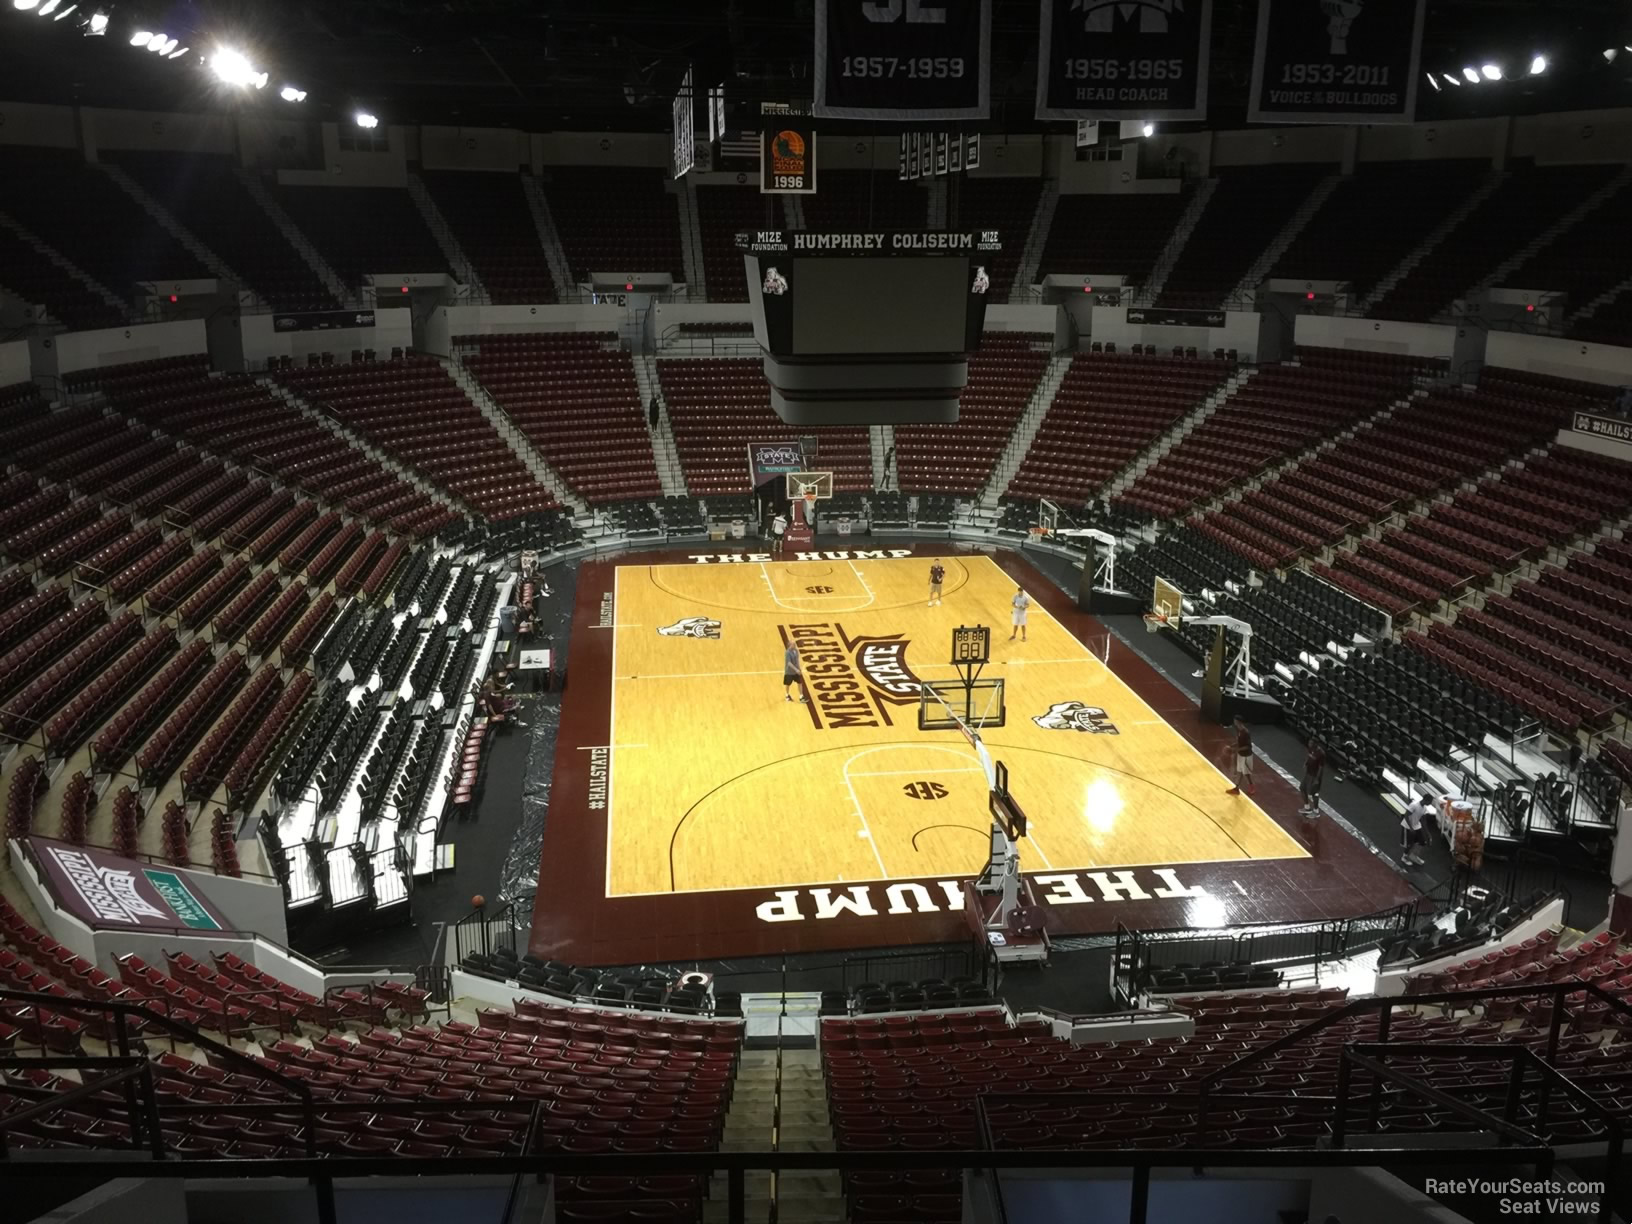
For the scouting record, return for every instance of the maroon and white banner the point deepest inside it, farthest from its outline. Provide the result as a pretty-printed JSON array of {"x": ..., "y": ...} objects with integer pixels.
[{"x": 106, "y": 891}]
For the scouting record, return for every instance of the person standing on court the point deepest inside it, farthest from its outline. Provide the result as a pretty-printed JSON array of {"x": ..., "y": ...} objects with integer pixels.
[
  {"x": 779, "y": 531},
  {"x": 1021, "y": 603},
  {"x": 937, "y": 574},
  {"x": 1314, "y": 769},
  {"x": 1243, "y": 759},
  {"x": 790, "y": 672}
]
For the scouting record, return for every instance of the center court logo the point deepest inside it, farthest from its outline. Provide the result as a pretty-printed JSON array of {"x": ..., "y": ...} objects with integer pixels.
[
  {"x": 852, "y": 681},
  {"x": 1076, "y": 716},
  {"x": 692, "y": 627}
]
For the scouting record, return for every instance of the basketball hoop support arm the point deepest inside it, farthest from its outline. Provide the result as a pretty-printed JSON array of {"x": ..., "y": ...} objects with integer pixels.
[
  {"x": 1237, "y": 681},
  {"x": 1104, "y": 561}
]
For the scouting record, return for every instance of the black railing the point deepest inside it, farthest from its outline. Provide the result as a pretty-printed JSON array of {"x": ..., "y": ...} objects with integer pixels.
[{"x": 1275, "y": 945}]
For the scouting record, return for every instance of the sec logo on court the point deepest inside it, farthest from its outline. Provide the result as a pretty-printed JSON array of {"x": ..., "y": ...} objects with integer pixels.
[{"x": 1076, "y": 716}]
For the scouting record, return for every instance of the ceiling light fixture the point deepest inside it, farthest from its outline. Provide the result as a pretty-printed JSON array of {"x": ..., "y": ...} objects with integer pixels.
[
  {"x": 1472, "y": 75},
  {"x": 290, "y": 94},
  {"x": 49, "y": 7},
  {"x": 1492, "y": 72},
  {"x": 1610, "y": 53},
  {"x": 141, "y": 38},
  {"x": 65, "y": 12},
  {"x": 1149, "y": 129},
  {"x": 234, "y": 69},
  {"x": 366, "y": 120},
  {"x": 1452, "y": 80},
  {"x": 1434, "y": 81},
  {"x": 98, "y": 23},
  {"x": 25, "y": 5},
  {"x": 177, "y": 54},
  {"x": 1538, "y": 65}
]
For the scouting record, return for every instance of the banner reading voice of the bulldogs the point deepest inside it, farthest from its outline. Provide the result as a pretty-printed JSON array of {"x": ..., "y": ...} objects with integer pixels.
[
  {"x": 1336, "y": 61},
  {"x": 1123, "y": 59},
  {"x": 902, "y": 59}
]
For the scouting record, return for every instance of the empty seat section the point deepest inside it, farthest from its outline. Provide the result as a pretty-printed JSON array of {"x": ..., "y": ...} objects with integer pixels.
[
  {"x": 615, "y": 219},
  {"x": 489, "y": 216},
  {"x": 573, "y": 394},
  {"x": 722, "y": 213},
  {"x": 364, "y": 231},
  {"x": 1111, "y": 233}
]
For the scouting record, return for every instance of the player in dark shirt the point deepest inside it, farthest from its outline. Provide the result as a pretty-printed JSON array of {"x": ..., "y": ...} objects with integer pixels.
[
  {"x": 937, "y": 574},
  {"x": 1243, "y": 758},
  {"x": 1314, "y": 770}
]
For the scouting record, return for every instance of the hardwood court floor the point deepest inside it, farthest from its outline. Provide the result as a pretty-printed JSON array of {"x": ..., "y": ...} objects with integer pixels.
[{"x": 715, "y": 782}]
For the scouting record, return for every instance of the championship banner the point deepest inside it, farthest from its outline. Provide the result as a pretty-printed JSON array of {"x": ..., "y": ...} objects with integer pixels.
[
  {"x": 1124, "y": 59},
  {"x": 1336, "y": 61},
  {"x": 685, "y": 128},
  {"x": 787, "y": 157},
  {"x": 903, "y": 170},
  {"x": 903, "y": 59},
  {"x": 913, "y": 155},
  {"x": 941, "y": 163},
  {"x": 971, "y": 151},
  {"x": 106, "y": 891}
]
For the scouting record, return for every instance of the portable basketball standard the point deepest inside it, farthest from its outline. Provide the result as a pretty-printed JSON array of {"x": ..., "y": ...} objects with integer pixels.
[
  {"x": 969, "y": 700},
  {"x": 804, "y": 490}
]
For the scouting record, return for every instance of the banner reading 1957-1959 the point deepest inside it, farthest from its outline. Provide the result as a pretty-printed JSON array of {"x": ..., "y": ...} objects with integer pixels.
[
  {"x": 1123, "y": 59},
  {"x": 1336, "y": 61},
  {"x": 902, "y": 59}
]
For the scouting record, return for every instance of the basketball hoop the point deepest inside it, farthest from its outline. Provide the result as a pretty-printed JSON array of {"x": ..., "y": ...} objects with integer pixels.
[
  {"x": 1155, "y": 621},
  {"x": 810, "y": 503}
]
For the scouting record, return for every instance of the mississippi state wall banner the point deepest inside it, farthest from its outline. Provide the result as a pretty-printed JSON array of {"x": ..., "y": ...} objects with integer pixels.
[
  {"x": 1124, "y": 59},
  {"x": 902, "y": 59},
  {"x": 1336, "y": 61},
  {"x": 787, "y": 157}
]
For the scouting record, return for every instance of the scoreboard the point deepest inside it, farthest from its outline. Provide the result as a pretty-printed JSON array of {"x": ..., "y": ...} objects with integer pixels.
[{"x": 867, "y": 327}]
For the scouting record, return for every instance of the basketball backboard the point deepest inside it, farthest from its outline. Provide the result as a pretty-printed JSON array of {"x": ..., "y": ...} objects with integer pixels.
[{"x": 800, "y": 483}]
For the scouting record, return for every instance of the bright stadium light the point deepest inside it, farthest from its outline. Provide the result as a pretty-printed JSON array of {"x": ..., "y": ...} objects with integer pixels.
[
  {"x": 290, "y": 94},
  {"x": 49, "y": 7},
  {"x": 1492, "y": 72},
  {"x": 162, "y": 45},
  {"x": 1610, "y": 53},
  {"x": 98, "y": 23},
  {"x": 141, "y": 38},
  {"x": 65, "y": 12},
  {"x": 1452, "y": 80},
  {"x": 234, "y": 69},
  {"x": 366, "y": 120},
  {"x": 178, "y": 54},
  {"x": 1472, "y": 74},
  {"x": 1434, "y": 81},
  {"x": 25, "y": 5},
  {"x": 1538, "y": 65}
]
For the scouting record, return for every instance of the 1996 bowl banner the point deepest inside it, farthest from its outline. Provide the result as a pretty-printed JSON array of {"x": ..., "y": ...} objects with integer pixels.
[
  {"x": 1336, "y": 61},
  {"x": 1123, "y": 59},
  {"x": 903, "y": 59}
]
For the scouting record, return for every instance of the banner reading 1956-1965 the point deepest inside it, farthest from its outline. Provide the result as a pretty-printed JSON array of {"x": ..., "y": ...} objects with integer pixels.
[
  {"x": 1123, "y": 59},
  {"x": 1336, "y": 61}
]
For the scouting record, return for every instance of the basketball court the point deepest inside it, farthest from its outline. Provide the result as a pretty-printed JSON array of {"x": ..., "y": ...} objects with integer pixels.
[
  {"x": 699, "y": 812},
  {"x": 717, "y": 781}
]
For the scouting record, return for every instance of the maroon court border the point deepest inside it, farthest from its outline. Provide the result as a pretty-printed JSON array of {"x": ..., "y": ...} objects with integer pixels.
[{"x": 574, "y": 921}]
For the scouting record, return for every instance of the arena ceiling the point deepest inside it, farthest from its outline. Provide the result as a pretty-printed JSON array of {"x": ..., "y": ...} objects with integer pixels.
[{"x": 614, "y": 64}]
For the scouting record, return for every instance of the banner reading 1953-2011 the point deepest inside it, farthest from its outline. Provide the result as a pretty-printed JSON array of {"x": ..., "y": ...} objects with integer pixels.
[
  {"x": 903, "y": 59},
  {"x": 1336, "y": 61},
  {"x": 1123, "y": 59}
]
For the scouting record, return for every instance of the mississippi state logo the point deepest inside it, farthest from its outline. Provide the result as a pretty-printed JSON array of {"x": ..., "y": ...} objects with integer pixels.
[
  {"x": 1076, "y": 716},
  {"x": 982, "y": 281},
  {"x": 1099, "y": 15},
  {"x": 692, "y": 627},
  {"x": 853, "y": 680},
  {"x": 775, "y": 283}
]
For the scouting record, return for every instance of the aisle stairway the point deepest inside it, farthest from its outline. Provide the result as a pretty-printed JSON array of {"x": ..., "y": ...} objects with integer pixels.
[{"x": 782, "y": 1110}]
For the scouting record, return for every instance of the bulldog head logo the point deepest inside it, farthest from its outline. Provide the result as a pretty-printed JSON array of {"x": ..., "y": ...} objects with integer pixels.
[
  {"x": 1076, "y": 716},
  {"x": 1099, "y": 16},
  {"x": 692, "y": 627},
  {"x": 982, "y": 281},
  {"x": 775, "y": 283}
]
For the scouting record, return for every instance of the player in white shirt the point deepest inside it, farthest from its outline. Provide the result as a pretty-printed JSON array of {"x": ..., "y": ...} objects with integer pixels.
[{"x": 1021, "y": 603}]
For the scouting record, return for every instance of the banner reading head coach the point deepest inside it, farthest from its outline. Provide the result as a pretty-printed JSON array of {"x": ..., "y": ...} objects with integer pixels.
[
  {"x": 1336, "y": 61},
  {"x": 903, "y": 59},
  {"x": 1123, "y": 59}
]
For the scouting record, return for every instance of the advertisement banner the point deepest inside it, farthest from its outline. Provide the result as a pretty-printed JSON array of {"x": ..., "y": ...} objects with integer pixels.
[
  {"x": 773, "y": 460},
  {"x": 1336, "y": 63},
  {"x": 787, "y": 157},
  {"x": 106, "y": 891},
  {"x": 903, "y": 59},
  {"x": 322, "y": 320},
  {"x": 1124, "y": 59},
  {"x": 1603, "y": 426},
  {"x": 1171, "y": 317}
]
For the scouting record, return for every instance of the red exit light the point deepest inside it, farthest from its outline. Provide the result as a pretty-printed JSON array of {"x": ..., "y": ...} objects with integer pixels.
[
  {"x": 172, "y": 297},
  {"x": 1310, "y": 296},
  {"x": 405, "y": 289},
  {"x": 1529, "y": 306},
  {"x": 1087, "y": 288},
  {"x": 630, "y": 287}
]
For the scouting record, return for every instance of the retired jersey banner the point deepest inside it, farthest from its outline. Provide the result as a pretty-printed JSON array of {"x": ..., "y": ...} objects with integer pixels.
[
  {"x": 787, "y": 157},
  {"x": 1336, "y": 61},
  {"x": 1124, "y": 59},
  {"x": 903, "y": 59}
]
